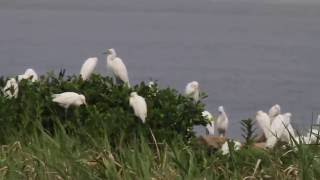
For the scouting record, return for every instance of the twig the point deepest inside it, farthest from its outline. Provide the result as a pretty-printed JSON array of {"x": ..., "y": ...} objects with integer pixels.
[{"x": 155, "y": 142}]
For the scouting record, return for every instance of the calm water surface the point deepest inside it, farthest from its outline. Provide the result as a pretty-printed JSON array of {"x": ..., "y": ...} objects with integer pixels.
[{"x": 247, "y": 55}]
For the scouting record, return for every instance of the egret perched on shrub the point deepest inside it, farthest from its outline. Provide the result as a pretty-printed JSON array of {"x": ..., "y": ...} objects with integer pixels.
[
  {"x": 222, "y": 122},
  {"x": 139, "y": 105},
  {"x": 278, "y": 127},
  {"x": 289, "y": 131},
  {"x": 192, "y": 90},
  {"x": 29, "y": 74},
  {"x": 118, "y": 68},
  {"x": 88, "y": 67},
  {"x": 274, "y": 112},
  {"x": 264, "y": 123},
  {"x": 68, "y": 99},
  {"x": 11, "y": 89},
  {"x": 210, "y": 126}
]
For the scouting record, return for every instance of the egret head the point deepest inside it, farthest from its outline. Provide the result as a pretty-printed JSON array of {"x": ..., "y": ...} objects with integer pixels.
[
  {"x": 221, "y": 109},
  {"x": 133, "y": 94},
  {"x": 195, "y": 85},
  {"x": 111, "y": 51},
  {"x": 83, "y": 99},
  {"x": 288, "y": 115},
  {"x": 260, "y": 112},
  {"x": 92, "y": 59}
]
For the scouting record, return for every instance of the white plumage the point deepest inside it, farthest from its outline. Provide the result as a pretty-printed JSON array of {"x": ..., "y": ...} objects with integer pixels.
[
  {"x": 139, "y": 105},
  {"x": 11, "y": 89},
  {"x": 88, "y": 67},
  {"x": 29, "y": 74},
  {"x": 116, "y": 65},
  {"x": 192, "y": 90},
  {"x": 264, "y": 122},
  {"x": 318, "y": 120},
  {"x": 222, "y": 122},
  {"x": 225, "y": 147},
  {"x": 151, "y": 84},
  {"x": 278, "y": 127},
  {"x": 68, "y": 99},
  {"x": 210, "y": 126},
  {"x": 274, "y": 112},
  {"x": 285, "y": 137}
]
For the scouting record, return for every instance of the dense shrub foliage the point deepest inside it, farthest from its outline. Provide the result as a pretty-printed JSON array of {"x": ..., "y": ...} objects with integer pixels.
[{"x": 108, "y": 113}]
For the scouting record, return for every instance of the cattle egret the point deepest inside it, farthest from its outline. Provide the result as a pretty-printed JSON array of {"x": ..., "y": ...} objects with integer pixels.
[
  {"x": 118, "y": 68},
  {"x": 29, "y": 74},
  {"x": 151, "y": 84},
  {"x": 222, "y": 122},
  {"x": 210, "y": 126},
  {"x": 11, "y": 89},
  {"x": 225, "y": 147},
  {"x": 289, "y": 131},
  {"x": 278, "y": 127},
  {"x": 68, "y": 99},
  {"x": 88, "y": 67},
  {"x": 192, "y": 90},
  {"x": 139, "y": 105},
  {"x": 264, "y": 122},
  {"x": 274, "y": 112}
]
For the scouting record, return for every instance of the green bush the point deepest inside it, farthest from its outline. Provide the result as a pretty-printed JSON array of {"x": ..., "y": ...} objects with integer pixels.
[{"x": 108, "y": 114}]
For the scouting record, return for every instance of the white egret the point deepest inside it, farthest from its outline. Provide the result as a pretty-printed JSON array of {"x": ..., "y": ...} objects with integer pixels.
[
  {"x": 29, "y": 74},
  {"x": 192, "y": 90},
  {"x": 278, "y": 127},
  {"x": 118, "y": 68},
  {"x": 139, "y": 105},
  {"x": 151, "y": 84},
  {"x": 289, "y": 131},
  {"x": 225, "y": 147},
  {"x": 210, "y": 126},
  {"x": 264, "y": 122},
  {"x": 88, "y": 67},
  {"x": 11, "y": 89},
  {"x": 222, "y": 122},
  {"x": 68, "y": 99},
  {"x": 274, "y": 112}
]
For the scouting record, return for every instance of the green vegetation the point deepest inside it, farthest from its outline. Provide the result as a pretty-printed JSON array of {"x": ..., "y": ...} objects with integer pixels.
[{"x": 106, "y": 141}]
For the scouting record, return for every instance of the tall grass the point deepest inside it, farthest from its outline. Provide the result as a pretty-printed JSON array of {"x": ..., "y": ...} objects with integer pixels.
[{"x": 106, "y": 141}]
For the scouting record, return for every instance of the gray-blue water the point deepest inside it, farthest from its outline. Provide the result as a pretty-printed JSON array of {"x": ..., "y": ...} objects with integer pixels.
[{"x": 246, "y": 54}]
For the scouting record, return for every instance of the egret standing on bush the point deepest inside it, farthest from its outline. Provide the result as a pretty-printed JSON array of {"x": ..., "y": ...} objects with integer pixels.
[
  {"x": 222, "y": 122},
  {"x": 118, "y": 68},
  {"x": 88, "y": 67},
  {"x": 210, "y": 126},
  {"x": 289, "y": 131},
  {"x": 264, "y": 122},
  {"x": 68, "y": 99},
  {"x": 278, "y": 127},
  {"x": 139, "y": 105},
  {"x": 29, "y": 74},
  {"x": 192, "y": 90},
  {"x": 11, "y": 89}
]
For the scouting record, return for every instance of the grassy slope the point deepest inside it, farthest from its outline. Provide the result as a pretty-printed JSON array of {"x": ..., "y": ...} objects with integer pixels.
[{"x": 106, "y": 141}]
